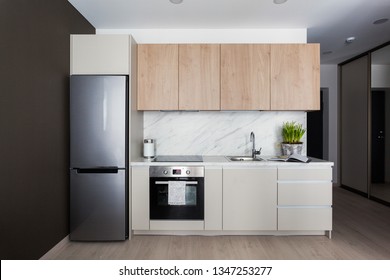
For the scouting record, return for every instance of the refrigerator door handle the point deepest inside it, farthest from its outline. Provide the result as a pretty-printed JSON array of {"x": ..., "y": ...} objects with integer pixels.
[
  {"x": 105, "y": 111},
  {"x": 97, "y": 170}
]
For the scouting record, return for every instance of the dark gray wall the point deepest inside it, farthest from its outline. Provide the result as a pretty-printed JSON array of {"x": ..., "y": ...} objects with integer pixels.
[{"x": 34, "y": 154}]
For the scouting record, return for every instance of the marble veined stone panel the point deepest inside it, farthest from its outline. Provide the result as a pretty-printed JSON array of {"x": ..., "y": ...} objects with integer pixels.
[{"x": 218, "y": 133}]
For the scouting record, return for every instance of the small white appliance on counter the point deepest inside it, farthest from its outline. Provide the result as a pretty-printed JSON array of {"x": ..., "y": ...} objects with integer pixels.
[{"x": 149, "y": 150}]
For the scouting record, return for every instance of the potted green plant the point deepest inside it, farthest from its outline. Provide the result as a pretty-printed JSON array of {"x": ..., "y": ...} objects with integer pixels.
[{"x": 292, "y": 133}]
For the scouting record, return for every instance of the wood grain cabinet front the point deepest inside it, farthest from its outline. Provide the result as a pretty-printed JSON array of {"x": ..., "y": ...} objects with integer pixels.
[
  {"x": 295, "y": 77},
  {"x": 158, "y": 70},
  {"x": 228, "y": 77},
  {"x": 199, "y": 77},
  {"x": 179, "y": 77},
  {"x": 245, "y": 77}
]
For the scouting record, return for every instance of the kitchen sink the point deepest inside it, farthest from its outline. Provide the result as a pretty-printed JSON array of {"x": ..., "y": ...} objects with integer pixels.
[{"x": 243, "y": 158}]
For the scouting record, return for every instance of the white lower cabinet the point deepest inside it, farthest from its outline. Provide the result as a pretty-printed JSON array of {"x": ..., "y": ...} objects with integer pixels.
[
  {"x": 305, "y": 218},
  {"x": 213, "y": 198},
  {"x": 140, "y": 198},
  {"x": 249, "y": 198},
  {"x": 305, "y": 199}
]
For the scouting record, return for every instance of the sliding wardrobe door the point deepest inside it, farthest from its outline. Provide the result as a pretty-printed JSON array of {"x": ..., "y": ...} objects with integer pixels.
[
  {"x": 380, "y": 124},
  {"x": 354, "y": 124}
]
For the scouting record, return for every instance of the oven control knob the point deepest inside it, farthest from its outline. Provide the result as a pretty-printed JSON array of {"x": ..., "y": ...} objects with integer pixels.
[
  {"x": 165, "y": 172},
  {"x": 188, "y": 172}
]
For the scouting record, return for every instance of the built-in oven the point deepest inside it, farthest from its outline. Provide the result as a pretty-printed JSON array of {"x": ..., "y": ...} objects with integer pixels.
[{"x": 176, "y": 192}]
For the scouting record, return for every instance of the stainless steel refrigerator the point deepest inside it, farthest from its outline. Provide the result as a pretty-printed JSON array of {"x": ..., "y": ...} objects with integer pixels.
[{"x": 98, "y": 158}]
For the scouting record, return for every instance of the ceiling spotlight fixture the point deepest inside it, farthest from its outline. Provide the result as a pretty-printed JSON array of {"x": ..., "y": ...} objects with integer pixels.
[
  {"x": 380, "y": 21},
  {"x": 176, "y": 1},
  {"x": 280, "y": 1},
  {"x": 349, "y": 40}
]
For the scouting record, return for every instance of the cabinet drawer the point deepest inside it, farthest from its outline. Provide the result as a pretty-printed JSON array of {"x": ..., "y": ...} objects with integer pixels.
[
  {"x": 304, "y": 218},
  {"x": 314, "y": 174},
  {"x": 311, "y": 193}
]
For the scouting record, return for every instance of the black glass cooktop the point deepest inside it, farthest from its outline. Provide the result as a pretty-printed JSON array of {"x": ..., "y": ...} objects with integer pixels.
[{"x": 179, "y": 159}]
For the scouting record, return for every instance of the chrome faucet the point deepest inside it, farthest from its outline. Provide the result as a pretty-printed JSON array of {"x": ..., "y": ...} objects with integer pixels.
[{"x": 254, "y": 152}]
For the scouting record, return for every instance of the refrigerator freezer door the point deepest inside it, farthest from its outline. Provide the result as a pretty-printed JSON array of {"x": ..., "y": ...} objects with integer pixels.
[
  {"x": 98, "y": 206},
  {"x": 98, "y": 121}
]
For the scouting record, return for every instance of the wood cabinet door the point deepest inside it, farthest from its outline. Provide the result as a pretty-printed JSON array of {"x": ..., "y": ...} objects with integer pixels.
[
  {"x": 249, "y": 199},
  {"x": 245, "y": 77},
  {"x": 158, "y": 77},
  {"x": 295, "y": 77},
  {"x": 199, "y": 77}
]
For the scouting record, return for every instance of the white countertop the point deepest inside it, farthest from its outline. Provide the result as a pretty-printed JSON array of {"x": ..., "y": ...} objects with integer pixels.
[{"x": 223, "y": 161}]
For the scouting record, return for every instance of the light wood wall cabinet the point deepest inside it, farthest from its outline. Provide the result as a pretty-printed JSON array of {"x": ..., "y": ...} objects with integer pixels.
[
  {"x": 295, "y": 74},
  {"x": 245, "y": 77},
  {"x": 199, "y": 77},
  {"x": 229, "y": 77},
  {"x": 158, "y": 71},
  {"x": 249, "y": 199},
  {"x": 100, "y": 54},
  {"x": 305, "y": 199},
  {"x": 179, "y": 77}
]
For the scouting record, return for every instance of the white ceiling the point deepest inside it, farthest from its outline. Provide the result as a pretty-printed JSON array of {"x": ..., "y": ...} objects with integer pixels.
[{"x": 328, "y": 22}]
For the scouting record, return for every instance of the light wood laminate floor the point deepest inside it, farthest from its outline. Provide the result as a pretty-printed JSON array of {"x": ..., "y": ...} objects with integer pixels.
[{"x": 361, "y": 230}]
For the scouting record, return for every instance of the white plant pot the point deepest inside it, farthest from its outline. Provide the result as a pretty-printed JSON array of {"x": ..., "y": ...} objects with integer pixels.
[{"x": 289, "y": 149}]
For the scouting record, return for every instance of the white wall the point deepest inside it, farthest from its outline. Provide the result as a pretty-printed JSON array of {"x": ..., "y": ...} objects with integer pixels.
[
  {"x": 164, "y": 36},
  {"x": 380, "y": 76},
  {"x": 329, "y": 80}
]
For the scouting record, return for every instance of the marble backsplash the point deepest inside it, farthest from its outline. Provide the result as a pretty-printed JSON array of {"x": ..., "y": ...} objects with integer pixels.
[{"x": 218, "y": 133}]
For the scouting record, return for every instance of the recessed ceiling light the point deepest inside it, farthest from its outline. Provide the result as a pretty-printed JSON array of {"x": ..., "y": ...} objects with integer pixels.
[
  {"x": 176, "y": 1},
  {"x": 349, "y": 40},
  {"x": 380, "y": 21},
  {"x": 280, "y": 1}
]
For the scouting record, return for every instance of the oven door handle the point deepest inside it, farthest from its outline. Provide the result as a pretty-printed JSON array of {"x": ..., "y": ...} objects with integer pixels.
[{"x": 166, "y": 182}]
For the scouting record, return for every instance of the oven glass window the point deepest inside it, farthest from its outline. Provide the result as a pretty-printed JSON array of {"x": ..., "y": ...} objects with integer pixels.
[{"x": 190, "y": 195}]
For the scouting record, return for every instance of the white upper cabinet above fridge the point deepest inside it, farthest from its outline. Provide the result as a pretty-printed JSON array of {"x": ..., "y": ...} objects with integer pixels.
[{"x": 100, "y": 54}]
